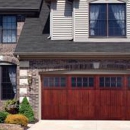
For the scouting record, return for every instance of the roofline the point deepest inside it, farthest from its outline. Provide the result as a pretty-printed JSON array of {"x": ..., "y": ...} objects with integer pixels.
[{"x": 17, "y": 9}]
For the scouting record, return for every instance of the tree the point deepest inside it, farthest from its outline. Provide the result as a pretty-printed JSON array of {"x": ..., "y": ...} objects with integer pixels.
[{"x": 26, "y": 109}]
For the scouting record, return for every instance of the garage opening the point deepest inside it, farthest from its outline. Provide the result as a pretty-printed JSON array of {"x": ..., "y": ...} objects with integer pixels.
[{"x": 83, "y": 97}]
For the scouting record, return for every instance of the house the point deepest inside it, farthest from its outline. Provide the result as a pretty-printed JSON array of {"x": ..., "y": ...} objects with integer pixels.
[{"x": 72, "y": 58}]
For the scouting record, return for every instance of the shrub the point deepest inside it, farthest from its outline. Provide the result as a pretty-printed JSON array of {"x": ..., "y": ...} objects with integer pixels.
[
  {"x": 17, "y": 119},
  {"x": 3, "y": 116},
  {"x": 12, "y": 106},
  {"x": 26, "y": 109}
]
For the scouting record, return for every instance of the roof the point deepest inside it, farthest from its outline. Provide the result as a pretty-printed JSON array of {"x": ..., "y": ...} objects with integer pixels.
[
  {"x": 33, "y": 40},
  {"x": 19, "y": 4}
]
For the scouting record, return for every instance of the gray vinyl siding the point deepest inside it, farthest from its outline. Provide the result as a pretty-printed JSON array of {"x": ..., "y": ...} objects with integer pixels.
[{"x": 61, "y": 16}]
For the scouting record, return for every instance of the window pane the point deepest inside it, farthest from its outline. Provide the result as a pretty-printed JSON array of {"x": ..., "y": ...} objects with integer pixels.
[
  {"x": 116, "y": 21},
  {"x": 113, "y": 81},
  {"x": 79, "y": 82},
  {"x": 57, "y": 80},
  {"x": 107, "y": 82},
  {"x": 129, "y": 82},
  {"x": 91, "y": 82},
  {"x": 98, "y": 20},
  {"x": 63, "y": 82},
  {"x": 51, "y": 82},
  {"x": 9, "y": 29},
  {"x": 102, "y": 81},
  {"x": 85, "y": 82},
  {"x": 119, "y": 82},
  {"x": 46, "y": 82},
  {"x": 73, "y": 82},
  {"x": 8, "y": 82}
]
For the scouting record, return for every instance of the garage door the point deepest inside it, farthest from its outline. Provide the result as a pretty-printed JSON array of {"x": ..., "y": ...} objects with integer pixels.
[{"x": 85, "y": 97}]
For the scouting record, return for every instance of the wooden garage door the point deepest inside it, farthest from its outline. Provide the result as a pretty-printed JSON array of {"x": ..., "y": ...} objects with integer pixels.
[{"x": 85, "y": 97}]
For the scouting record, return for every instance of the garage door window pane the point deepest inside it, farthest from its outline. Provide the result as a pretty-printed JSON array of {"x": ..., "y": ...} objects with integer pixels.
[
  {"x": 46, "y": 83},
  {"x": 91, "y": 82},
  {"x": 51, "y": 82},
  {"x": 129, "y": 82},
  {"x": 73, "y": 82},
  {"x": 107, "y": 82},
  {"x": 85, "y": 82},
  {"x": 56, "y": 82},
  {"x": 63, "y": 82},
  {"x": 119, "y": 81},
  {"x": 113, "y": 81},
  {"x": 79, "y": 82},
  {"x": 102, "y": 80}
]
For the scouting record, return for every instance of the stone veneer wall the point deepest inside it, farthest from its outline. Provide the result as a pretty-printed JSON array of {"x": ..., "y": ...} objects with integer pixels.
[
  {"x": 34, "y": 67},
  {"x": 6, "y": 55}
]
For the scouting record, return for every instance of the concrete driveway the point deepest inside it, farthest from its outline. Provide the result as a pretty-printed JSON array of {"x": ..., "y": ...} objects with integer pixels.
[{"x": 80, "y": 125}]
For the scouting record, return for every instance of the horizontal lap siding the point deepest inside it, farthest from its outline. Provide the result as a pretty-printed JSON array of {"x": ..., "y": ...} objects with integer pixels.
[
  {"x": 81, "y": 23},
  {"x": 81, "y": 20},
  {"x": 128, "y": 19},
  {"x": 62, "y": 20}
]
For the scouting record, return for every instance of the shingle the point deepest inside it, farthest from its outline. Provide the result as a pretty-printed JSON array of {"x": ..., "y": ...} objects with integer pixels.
[{"x": 20, "y": 4}]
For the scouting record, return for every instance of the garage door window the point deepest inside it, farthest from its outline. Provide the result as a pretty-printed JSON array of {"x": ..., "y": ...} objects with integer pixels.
[
  {"x": 78, "y": 82},
  {"x": 111, "y": 82},
  {"x": 54, "y": 82}
]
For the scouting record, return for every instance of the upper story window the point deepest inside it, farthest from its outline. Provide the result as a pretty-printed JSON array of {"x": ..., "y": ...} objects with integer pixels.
[
  {"x": 8, "y": 29},
  {"x": 107, "y": 20}
]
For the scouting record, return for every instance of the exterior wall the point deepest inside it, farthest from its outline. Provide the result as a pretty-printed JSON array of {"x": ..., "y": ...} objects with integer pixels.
[
  {"x": 61, "y": 20},
  {"x": 81, "y": 22},
  {"x": 6, "y": 55},
  {"x": 35, "y": 68}
]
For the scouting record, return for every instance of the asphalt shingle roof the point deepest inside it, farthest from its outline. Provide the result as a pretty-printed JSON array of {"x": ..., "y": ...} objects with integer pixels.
[
  {"x": 20, "y": 4},
  {"x": 32, "y": 40}
]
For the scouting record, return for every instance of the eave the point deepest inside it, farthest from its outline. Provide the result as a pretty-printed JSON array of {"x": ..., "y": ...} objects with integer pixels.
[{"x": 72, "y": 55}]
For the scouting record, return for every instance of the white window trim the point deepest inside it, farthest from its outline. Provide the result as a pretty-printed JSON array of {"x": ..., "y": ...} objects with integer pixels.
[{"x": 107, "y": 1}]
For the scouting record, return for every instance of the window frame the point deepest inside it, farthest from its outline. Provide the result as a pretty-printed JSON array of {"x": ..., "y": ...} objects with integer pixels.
[
  {"x": 6, "y": 83},
  {"x": 54, "y": 87},
  {"x": 109, "y": 87},
  {"x": 82, "y": 87},
  {"x": 107, "y": 20},
  {"x": 8, "y": 29}
]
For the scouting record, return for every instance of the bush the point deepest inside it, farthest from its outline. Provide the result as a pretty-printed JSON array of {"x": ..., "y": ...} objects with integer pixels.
[
  {"x": 26, "y": 109},
  {"x": 3, "y": 116},
  {"x": 17, "y": 119},
  {"x": 12, "y": 106}
]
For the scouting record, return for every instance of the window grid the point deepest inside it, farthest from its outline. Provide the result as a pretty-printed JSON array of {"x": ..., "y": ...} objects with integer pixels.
[
  {"x": 54, "y": 82},
  {"x": 106, "y": 24},
  {"x": 110, "y": 82},
  {"x": 82, "y": 82},
  {"x": 7, "y": 88}
]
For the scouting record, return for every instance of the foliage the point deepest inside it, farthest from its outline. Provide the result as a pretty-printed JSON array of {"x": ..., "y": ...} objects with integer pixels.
[
  {"x": 12, "y": 106},
  {"x": 26, "y": 109},
  {"x": 17, "y": 119},
  {"x": 3, "y": 116}
]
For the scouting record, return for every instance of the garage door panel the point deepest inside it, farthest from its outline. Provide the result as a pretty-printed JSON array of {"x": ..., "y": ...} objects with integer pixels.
[
  {"x": 104, "y": 112},
  {"x": 47, "y": 112},
  {"x": 117, "y": 98},
  {"x": 117, "y": 112},
  {"x": 128, "y": 98},
  {"x": 105, "y": 97},
  {"x": 85, "y": 112},
  {"x": 89, "y": 102}
]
